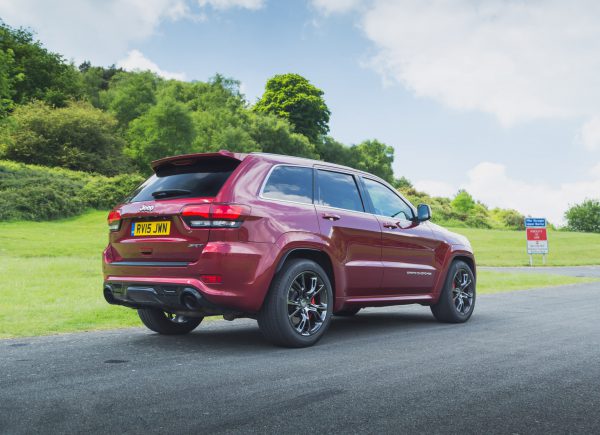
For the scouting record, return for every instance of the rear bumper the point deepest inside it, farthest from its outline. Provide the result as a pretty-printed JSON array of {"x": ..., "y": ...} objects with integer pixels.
[
  {"x": 246, "y": 270},
  {"x": 167, "y": 294}
]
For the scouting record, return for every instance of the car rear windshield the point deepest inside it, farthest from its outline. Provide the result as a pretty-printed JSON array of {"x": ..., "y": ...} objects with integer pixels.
[{"x": 201, "y": 178}]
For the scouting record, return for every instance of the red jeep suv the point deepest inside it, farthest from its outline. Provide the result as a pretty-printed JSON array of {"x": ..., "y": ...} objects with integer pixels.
[{"x": 288, "y": 241}]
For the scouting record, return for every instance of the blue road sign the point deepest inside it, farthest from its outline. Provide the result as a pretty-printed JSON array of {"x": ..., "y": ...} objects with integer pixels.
[{"x": 535, "y": 222}]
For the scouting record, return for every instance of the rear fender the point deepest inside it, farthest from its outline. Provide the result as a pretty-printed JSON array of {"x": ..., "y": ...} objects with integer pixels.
[{"x": 294, "y": 241}]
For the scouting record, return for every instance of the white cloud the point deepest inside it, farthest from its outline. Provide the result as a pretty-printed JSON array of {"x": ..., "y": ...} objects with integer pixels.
[
  {"x": 102, "y": 31},
  {"x": 590, "y": 133},
  {"x": 327, "y": 7},
  {"x": 136, "y": 61},
  {"x": 228, "y": 4},
  {"x": 516, "y": 60},
  {"x": 436, "y": 188},
  {"x": 490, "y": 183},
  {"x": 99, "y": 31}
]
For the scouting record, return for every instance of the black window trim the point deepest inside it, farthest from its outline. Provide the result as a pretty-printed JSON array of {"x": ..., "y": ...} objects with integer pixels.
[
  {"x": 394, "y": 191},
  {"x": 356, "y": 181},
  {"x": 264, "y": 184}
]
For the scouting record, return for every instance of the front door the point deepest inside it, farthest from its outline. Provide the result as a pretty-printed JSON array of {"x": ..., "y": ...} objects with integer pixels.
[{"x": 408, "y": 248}]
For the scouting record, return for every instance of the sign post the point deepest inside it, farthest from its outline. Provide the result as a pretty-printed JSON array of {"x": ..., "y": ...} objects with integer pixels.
[{"x": 537, "y": 238}]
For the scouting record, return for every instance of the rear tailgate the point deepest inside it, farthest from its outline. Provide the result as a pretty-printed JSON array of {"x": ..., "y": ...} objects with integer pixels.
[{"x": 151, "y": 227}]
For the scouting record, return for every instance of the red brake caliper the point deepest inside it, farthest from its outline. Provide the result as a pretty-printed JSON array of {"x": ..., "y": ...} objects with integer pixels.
[{"x": 312, "y": 301}]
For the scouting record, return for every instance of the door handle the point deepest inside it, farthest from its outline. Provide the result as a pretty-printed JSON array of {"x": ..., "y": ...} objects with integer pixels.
[
  {"x": 390, "y": 225},
  {"x": 330, "y": 217}
]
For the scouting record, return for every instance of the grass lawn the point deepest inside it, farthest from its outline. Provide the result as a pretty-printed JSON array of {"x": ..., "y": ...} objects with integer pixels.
[
  {"x": 497, "y": 282},
  {"x": 508, "y": 248},
  {"x": 51, "y": 277}
]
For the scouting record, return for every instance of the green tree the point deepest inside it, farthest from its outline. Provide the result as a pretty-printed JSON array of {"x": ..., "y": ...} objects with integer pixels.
[
  {"x": 6, "y": 102},
  {"x": 374, "y": 157},
  {"x": 294, "y": 98},
  {"x": 584, "y": 217},
  {"x": 165, "y": 129},
  {"x": 96, "y": 79},
  {"x": 130, "y": 95},
  {"x": 402, "y": 183},
  {"x": 275, "y": 135},
  {"x": 333, "y": 151},
  {"x": 463, "y": 202},
  {"x": 34, "y": 73},
  {"x": 76, "y": 137}
]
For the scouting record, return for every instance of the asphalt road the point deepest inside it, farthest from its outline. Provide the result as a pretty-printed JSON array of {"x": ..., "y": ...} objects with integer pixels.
[{"x": 527, "y": 362}]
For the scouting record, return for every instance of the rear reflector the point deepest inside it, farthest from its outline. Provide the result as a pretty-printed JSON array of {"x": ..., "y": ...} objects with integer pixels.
[
  {"x": 114, "y": 220},
  {"x": 214, "y": 215},
  {"x": 211, "y": 279}
]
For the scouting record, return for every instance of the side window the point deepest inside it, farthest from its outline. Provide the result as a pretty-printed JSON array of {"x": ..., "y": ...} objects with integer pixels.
[
  {"x": 338, "y": 190},
  {"x": 386, "y": 202},
  {"x": 290, "y": 183}
]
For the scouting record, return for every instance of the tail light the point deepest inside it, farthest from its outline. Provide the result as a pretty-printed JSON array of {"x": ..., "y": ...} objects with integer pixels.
[
  {"x": 214, "y": 215},
  {"x": 114, "y": 220}
]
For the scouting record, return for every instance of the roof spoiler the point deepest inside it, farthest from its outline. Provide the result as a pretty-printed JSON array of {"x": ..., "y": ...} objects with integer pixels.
[{"x": 187, "y": 159}]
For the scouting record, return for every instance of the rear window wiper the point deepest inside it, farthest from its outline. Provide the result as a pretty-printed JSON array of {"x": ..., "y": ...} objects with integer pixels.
[{"x": 170, "y": 192}]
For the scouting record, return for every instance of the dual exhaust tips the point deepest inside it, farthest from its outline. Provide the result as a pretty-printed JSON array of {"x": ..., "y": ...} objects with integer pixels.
[{"x": 189, "y": 298}]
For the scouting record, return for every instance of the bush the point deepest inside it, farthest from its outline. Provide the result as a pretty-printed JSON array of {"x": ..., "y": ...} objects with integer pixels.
[
  {"x": 104, "y": 193},
  {"x": 510, "y": 219},
  {"x": 584, "y": 217},
  {"x": 77, "y": 137},
  {"x": 30, "y": 192}
]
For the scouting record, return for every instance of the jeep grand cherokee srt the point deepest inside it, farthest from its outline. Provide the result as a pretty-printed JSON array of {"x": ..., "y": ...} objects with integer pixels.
[{"x": 284, "y": 240}]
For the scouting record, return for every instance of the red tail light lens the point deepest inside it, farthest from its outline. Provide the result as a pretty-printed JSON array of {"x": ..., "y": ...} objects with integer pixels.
[
  {"x": 214, "y": 215},
  {"x": 226, "y": 211},
  {"x": 197, "y": 216},
  {"x": 201, "y": 211},
  {"x": 114, "y": 220}
]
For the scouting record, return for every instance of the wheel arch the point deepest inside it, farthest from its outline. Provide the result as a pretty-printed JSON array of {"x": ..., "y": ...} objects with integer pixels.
[
  {"x": 318, "y": 256},
  {"x": 467, "y": 259}
]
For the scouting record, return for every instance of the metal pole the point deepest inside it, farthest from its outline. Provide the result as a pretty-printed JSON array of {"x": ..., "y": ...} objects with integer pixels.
[{"x": 530, "y": 260}]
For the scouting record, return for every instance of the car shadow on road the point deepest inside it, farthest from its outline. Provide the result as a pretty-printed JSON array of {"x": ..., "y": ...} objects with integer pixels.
[{"x": 244, "y": 334}]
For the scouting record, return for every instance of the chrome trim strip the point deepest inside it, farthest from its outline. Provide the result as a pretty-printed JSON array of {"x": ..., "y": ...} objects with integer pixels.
[{"x": 150, "y": 263}]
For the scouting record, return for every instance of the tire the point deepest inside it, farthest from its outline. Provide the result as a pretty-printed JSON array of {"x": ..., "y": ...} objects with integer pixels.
[
  {"x": 298, "y": 309},
  {"x": 167, "y": 324},
  {"x": 347, "y": 313},
  {"x": 456, "y": 305}
]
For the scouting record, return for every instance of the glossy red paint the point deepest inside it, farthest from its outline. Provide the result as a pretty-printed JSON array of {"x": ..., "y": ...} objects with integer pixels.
[{"x": 373, "y": 260}]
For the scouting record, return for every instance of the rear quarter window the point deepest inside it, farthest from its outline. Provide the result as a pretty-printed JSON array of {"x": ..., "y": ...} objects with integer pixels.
[{"x": 290, "y": 183}]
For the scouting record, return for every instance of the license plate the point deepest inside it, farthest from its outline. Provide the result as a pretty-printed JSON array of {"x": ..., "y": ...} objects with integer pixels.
[{"x": 160, "y": 228}]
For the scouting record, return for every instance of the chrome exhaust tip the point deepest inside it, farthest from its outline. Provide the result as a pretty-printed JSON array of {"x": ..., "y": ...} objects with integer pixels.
[
  {"x": 108, "y": 295},
  {"x": 190, "y": 299}
]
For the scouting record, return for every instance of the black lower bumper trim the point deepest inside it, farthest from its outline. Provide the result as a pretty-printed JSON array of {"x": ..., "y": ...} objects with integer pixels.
[{"x": 162, "y": 296}]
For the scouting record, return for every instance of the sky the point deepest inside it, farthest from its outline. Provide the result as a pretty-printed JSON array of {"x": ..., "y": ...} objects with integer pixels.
[{"x": 499, "y": 97}]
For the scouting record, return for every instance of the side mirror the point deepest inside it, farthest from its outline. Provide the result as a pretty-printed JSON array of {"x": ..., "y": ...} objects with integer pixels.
[{"x": 423, "y": 213}]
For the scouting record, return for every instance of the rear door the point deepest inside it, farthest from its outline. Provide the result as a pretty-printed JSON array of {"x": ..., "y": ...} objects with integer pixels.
[
  {"x": 152, "y": 228},
  {"x": 408, "y": 248},
  {"x": 354, "y": 234}
]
